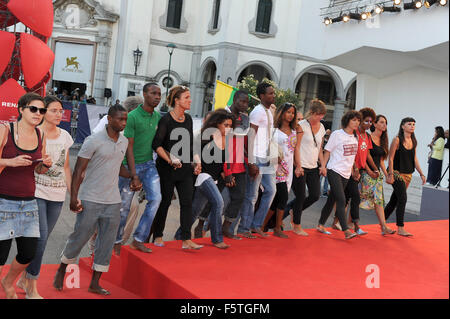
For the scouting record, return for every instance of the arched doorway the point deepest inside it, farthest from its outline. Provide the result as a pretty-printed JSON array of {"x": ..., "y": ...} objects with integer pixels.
[
  {"x": 318, "y": 83},
  {"x": 209, "y": 82},
  {"x": 351, "y": 97},
  {"x": 258, "y": 71}
]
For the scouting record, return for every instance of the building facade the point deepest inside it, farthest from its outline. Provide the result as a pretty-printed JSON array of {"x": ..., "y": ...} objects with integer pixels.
[{"x": 396, "y": 63}]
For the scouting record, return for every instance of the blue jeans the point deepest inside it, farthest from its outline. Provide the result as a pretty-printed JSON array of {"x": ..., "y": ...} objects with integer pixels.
[
  {"x": 208, "y": 192},
  {"x": 49, "y": 212},
  {"x": 249, "y": 218},
  {"x": 149, "y": 177}
]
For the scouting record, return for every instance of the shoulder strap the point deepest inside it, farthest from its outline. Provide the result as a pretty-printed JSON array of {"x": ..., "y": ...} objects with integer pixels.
[{"x": 313, "y": 135}]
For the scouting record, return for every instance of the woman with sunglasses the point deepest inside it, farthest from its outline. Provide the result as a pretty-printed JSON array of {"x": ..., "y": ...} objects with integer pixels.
[
  {"x": 22, "y": 153},
  {"x": 50, "y": 189}
]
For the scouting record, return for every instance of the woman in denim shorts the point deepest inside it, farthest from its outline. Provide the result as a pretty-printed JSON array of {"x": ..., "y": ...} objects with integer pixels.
[{"x": 21, "y": 154}]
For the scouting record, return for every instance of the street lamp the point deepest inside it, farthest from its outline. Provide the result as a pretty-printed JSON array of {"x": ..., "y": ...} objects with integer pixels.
[
  {"x": 170, "y": 48},
  {"x": 137, "y": 59}
]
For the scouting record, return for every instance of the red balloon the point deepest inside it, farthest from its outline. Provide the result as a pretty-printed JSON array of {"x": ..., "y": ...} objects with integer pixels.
[
  {"x": 36, "y": 59},
  {"x": 35, "y": 14},
  {"x": 8, "y": 41},
  {"x": 10, "y": 93}
]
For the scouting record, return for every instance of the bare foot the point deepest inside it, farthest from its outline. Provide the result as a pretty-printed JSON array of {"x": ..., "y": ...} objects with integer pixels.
[
  {"x": 260, "y": 232},
  {"x": 404, "y": 233},
  {"x": 99, "y": 290},
  {"x": 279, "y": 233},
  {"x": 301, "y": 232},
  {"x": 58, "y": 282},
  {"x": 222, "y": 245},
  {"x": 23, "y": 282},
  {"x": 247, "y": 235},
  {"x": 32, "y": 293},
  {"x": 189, "y": 244},
  {"x": 10, "y": 292}
]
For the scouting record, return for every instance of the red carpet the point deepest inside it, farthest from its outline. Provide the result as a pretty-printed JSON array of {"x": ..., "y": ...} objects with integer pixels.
[
  {"x": 316, "y": 267},
  {"x": 47, "y": 291}
]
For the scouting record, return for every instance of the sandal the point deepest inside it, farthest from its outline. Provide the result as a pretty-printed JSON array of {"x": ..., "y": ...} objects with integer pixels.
[
  {"x": 387, "y": 231},
  {"x": 247, "y": 235},
  {"x": 323, "y": 231},
  {"x": 352, "y": 235}
]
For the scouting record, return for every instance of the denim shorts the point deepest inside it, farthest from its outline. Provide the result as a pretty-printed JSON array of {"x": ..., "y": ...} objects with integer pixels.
[{"x": 18, "y": 219}]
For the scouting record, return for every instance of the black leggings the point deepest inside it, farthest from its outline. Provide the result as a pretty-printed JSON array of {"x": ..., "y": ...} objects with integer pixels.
[
  {"x": 301, "y": 202},
  {"x": 182, "y": 179},
  {"x": 352, "y": 193},
  {"x": 281, "y": 198},
  {"x": 26, "y": 249},
  {"x": 398, "y": 199},
  {"x": 337, "y": 195}
]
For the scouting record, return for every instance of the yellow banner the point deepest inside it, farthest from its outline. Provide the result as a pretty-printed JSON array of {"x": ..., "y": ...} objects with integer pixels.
[{"x": 222, "y": 95}]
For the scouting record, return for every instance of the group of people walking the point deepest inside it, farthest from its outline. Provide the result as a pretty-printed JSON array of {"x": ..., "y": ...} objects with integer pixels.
[{"x": 239, "y": 165}]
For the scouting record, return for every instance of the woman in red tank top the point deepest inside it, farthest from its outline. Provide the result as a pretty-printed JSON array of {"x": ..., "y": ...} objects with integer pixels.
[{"x": 21, "y": 154}]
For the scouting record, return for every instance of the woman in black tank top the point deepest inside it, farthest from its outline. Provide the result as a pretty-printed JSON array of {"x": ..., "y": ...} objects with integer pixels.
[
  {"x": 22, "y": 153},
  {"x": 402, "y": 163}
]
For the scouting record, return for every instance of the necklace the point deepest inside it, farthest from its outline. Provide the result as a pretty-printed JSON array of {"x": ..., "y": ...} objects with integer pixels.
[{"x": 180, "y": 118}]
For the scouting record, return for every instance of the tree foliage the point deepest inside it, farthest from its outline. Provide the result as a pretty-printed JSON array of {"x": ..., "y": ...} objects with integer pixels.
[{"x": 249, "y": 84}]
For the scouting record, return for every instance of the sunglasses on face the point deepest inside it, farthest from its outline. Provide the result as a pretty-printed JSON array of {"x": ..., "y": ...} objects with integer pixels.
[
  {"x": 368, "y": 122},
  {"x": 34, "y": 109}
]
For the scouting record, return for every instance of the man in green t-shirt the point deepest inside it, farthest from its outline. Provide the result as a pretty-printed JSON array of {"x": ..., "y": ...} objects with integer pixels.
[{"x": 140, "y": 131}]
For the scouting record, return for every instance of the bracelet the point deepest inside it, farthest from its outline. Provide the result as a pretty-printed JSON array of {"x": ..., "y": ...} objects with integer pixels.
[{"x": 45, "y": 165}]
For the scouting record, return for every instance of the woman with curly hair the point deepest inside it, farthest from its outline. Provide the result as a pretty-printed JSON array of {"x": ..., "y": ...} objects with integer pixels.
[{"x": 340, "y": 153}]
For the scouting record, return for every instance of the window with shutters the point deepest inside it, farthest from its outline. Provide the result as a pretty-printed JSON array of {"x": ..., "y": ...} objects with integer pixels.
[
  {"x": 174, "y": 14},
  {"x": 216, "y": 14},
  {"x": 264, "y": 16}
]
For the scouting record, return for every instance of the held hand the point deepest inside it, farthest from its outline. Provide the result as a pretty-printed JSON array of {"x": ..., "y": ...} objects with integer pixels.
[
  {"x": 176, "y": 163},
  {"x": 20, "y": 161},
  {"x": 299, "y": 171},
  {"x": 323, "y": 171},
  {"x": 135, "y": 184},
  {"x": 390, "y": 179},
  {"x": 253, "y": 170},
  {"x": 373, "y": 174},
  {"x": 356, "y": 175},
  {"x": 197, "y": 169},
  {"x": 47, "y": 160},
  {"x": 75, "y": 206}
]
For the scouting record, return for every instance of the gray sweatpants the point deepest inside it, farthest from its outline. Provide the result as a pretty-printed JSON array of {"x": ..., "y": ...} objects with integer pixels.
[{"x": 105, "y": 218}]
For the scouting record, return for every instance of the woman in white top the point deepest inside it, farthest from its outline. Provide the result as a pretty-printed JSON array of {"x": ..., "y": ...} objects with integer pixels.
[
  {"x": 340, "y": 153},
  {"x": 51, "y": 189},
  {"x": 286, "y": 137},
  {"x": 309, "y": 155}
]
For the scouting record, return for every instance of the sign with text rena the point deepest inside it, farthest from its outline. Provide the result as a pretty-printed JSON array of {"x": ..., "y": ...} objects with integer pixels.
[
  {"x": 73, "y": 62},
  {"x": 10, "y": 93}
]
